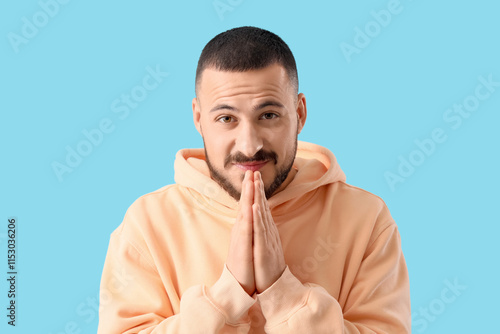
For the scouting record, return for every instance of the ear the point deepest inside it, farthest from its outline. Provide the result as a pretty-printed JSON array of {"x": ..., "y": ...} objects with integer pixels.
[
  {"x": 301, "y": 111},
  {"x": 196, "y": 114}
]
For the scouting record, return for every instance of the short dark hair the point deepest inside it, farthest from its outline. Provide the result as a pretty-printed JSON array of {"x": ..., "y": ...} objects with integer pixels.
[{"x": 247, "y": 48}]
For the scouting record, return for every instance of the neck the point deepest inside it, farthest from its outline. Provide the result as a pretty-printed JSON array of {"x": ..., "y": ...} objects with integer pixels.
[{"x": 289, "y": 178}]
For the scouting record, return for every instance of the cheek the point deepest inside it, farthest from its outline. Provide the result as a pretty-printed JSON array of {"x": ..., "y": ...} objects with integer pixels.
[
  {"x": 283, "y": 142},
  {"x": 217, "y": 146}
]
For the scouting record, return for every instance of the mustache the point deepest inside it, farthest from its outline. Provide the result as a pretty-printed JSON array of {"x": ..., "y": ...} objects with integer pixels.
[{"x": 261, "y": 155}]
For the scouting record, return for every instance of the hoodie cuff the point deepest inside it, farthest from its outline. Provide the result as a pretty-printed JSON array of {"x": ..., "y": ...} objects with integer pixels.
[
  {"x": 230, "y": 298},
  {"x": 283, "y": 298}
]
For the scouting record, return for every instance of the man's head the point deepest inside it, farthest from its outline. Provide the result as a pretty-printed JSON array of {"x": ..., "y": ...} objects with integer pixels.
[
  {"x": 244, "y": 49},
  {"x": 247, "y": 108}
]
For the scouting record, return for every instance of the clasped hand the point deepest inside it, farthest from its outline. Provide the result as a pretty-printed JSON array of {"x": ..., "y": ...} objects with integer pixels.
[{"x": 255, "y": 256}]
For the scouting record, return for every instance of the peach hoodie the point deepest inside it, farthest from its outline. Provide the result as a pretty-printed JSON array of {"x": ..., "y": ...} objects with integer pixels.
[{"x": 165, "y": 267}]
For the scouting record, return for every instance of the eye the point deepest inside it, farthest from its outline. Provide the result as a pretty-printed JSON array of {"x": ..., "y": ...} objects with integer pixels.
[
  {"x": 269, "y": 115},
  {"x": 225, "y": 119}
]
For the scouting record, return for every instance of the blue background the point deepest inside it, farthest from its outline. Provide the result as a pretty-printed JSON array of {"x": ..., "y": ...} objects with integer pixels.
[{"x": 368, "y": 108}]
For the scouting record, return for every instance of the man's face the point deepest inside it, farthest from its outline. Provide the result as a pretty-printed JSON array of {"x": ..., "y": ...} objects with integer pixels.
[{"x": 249, "y": 121}]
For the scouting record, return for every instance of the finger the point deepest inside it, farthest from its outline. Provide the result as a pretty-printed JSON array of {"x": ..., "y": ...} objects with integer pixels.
[
  {"x": 242, "y": 235},
  {"x": 260, "y": 205},
  {"x": 243, "y": 189},
  {"x": 260, "y": 198},
  {"x": 257, "y": 188},
  {"x": 263, "y": 193},
  {"x": 259, "y": 228},
  {"x": 267, "y": 219},
  {"x": 246, "y": 198}
]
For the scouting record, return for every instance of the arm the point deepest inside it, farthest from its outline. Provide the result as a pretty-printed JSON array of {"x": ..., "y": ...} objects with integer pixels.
[
  {"x": 378, "y": 301},
  {"x": 144, "y": 304},
  {"x": 133, "y": 299},
  {"x": 378, "y": 297}
]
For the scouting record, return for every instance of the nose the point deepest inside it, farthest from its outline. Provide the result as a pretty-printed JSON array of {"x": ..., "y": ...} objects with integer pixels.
[{"x": 248, "y": 139}]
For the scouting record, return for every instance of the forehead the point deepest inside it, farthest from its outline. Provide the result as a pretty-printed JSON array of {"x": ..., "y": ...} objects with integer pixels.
[{"x": 272, "y": 80}]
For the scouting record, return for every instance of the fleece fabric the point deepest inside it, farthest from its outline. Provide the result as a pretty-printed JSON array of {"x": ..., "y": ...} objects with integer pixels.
[{"x": 165, "y": 268}]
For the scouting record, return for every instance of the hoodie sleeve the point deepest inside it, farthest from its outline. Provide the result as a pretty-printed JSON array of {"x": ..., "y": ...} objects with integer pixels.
[
  {"x": 133, "y": 299},
  {"x": 378, "y": 300}
]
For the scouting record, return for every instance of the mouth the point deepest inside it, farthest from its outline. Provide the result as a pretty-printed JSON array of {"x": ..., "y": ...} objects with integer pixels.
[{"x": 253, "y": 165}]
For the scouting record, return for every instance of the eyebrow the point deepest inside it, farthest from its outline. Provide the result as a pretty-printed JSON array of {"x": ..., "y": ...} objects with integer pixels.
[{"x": 257, "y": 107}]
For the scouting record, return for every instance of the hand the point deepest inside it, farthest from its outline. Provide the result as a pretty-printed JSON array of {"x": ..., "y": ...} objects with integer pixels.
[
  {"x": 240, "y": 258},
  {"x": 268, "y": 258}
]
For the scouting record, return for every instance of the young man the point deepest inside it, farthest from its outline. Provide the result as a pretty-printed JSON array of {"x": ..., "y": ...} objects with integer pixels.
[{"x": 260, "y": 233}]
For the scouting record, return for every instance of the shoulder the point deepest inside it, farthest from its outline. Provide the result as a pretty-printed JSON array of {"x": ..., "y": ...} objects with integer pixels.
[
  {"x": 150, "y": 213},
  {"x": 155, "y": 203},
  {"x": 359, "y": 205},
  {"x": 354, "y": 195}
]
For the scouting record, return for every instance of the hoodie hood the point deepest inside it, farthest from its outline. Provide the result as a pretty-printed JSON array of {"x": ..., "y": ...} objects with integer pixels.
[{"x": 315, "y": 166}]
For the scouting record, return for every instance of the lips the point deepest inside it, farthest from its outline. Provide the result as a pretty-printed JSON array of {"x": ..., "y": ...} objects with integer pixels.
[{"x": 253, "y": 166}]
